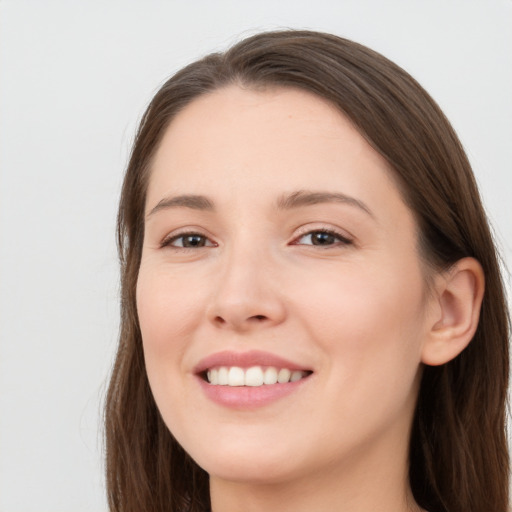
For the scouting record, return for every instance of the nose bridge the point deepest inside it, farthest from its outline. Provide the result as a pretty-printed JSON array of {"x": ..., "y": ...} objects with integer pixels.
[{"x": 246, "y": 294}]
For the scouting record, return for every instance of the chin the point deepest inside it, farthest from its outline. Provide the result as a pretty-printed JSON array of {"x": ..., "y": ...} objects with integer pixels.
[
  {"x": 246, "y": 462},
  {"x": 251, "y": 472}
]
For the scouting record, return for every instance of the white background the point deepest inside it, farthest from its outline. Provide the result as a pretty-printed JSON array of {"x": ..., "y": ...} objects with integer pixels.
[{"x": 75, "y": 77}]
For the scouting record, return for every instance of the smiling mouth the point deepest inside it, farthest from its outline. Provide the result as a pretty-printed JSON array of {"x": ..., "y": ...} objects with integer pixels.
[{"x": 255, "y": 376}]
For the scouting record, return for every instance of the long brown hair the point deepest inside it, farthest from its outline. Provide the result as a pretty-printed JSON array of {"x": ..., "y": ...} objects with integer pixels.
[{"x": 458, "y": 448}]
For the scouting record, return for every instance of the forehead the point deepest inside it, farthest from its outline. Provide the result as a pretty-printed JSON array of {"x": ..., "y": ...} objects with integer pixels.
[
  {"x": 233, "y": 141},
  {"x": 277, "y": 117}
]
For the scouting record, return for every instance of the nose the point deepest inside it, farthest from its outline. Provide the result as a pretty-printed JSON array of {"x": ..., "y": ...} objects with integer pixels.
[{"x": 248, "y": 294}]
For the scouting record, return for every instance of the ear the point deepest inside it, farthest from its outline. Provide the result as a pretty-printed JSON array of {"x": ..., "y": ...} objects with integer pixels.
[{"x": 458, "y": 297}]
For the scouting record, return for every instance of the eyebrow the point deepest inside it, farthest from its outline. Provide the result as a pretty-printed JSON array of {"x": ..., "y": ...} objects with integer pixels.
[
  {"x": 285, "y": 202},
  {"x": 184, "y": 201},
  {"x": 307, "y": 198}
]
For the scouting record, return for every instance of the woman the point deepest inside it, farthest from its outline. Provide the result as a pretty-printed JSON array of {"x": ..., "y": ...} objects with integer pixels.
[{"x": 312, "y": 310}]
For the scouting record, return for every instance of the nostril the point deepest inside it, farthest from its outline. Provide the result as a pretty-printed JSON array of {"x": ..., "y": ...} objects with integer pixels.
[{"x": 239, "y": 321}]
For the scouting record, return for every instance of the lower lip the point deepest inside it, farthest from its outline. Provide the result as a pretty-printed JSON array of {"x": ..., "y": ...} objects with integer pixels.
[{"x": 249, "y": 397}]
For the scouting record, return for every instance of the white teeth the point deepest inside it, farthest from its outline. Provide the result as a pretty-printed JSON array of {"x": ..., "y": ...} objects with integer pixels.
[
  {"x": 254, "y": 376},
  {"x": 236, "y": 376},
  {"x": 270, "y": 376},
  {"x": 284, "y": 375},
  {"x": 213, "y": 376},
  {"x": 223, "y": 376},
  {"x": 297, "y": 375}
]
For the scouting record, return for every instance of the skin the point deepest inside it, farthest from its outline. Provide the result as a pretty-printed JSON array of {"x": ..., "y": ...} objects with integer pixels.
[{"x": 355, "y": 310}]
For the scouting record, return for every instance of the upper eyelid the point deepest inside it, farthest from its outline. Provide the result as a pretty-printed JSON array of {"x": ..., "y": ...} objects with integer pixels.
[
  {"x": 168, "y": 239},
  {"x": 341, "y": 238},
  {"x": 305, "y": 230}
]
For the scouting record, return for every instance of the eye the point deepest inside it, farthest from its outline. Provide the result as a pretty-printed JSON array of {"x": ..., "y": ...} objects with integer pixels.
[
  {"x": 323, "y": 238},
  {"x": 187, "y": 241}
]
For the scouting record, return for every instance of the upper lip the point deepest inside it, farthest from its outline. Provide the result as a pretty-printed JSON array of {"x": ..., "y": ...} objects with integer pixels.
[{"x": 246, "y": 360}]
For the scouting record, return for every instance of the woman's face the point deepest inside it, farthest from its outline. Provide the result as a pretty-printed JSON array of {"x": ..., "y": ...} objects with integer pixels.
[{"x": 277, "y": 246}]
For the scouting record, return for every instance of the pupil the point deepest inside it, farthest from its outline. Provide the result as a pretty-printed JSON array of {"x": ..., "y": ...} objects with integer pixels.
[
  {"x": 193, "y": 241},
  {"x": 323, "y": 239}
]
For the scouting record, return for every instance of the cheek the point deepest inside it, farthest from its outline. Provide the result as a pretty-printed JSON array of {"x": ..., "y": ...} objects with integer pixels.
[
  {"x": 370, "y": 329},
  {"x": 368, "y": 320},
  {"x": 168, "y": 311}
]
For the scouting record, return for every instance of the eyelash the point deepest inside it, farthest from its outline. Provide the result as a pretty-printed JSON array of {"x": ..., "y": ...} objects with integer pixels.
[
  {"x": 167, "y": 242},
  {"x": 341, "y": 240}
]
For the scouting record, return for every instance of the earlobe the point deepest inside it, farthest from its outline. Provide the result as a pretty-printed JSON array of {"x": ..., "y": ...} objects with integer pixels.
[{"x": 458, "y": 293}]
